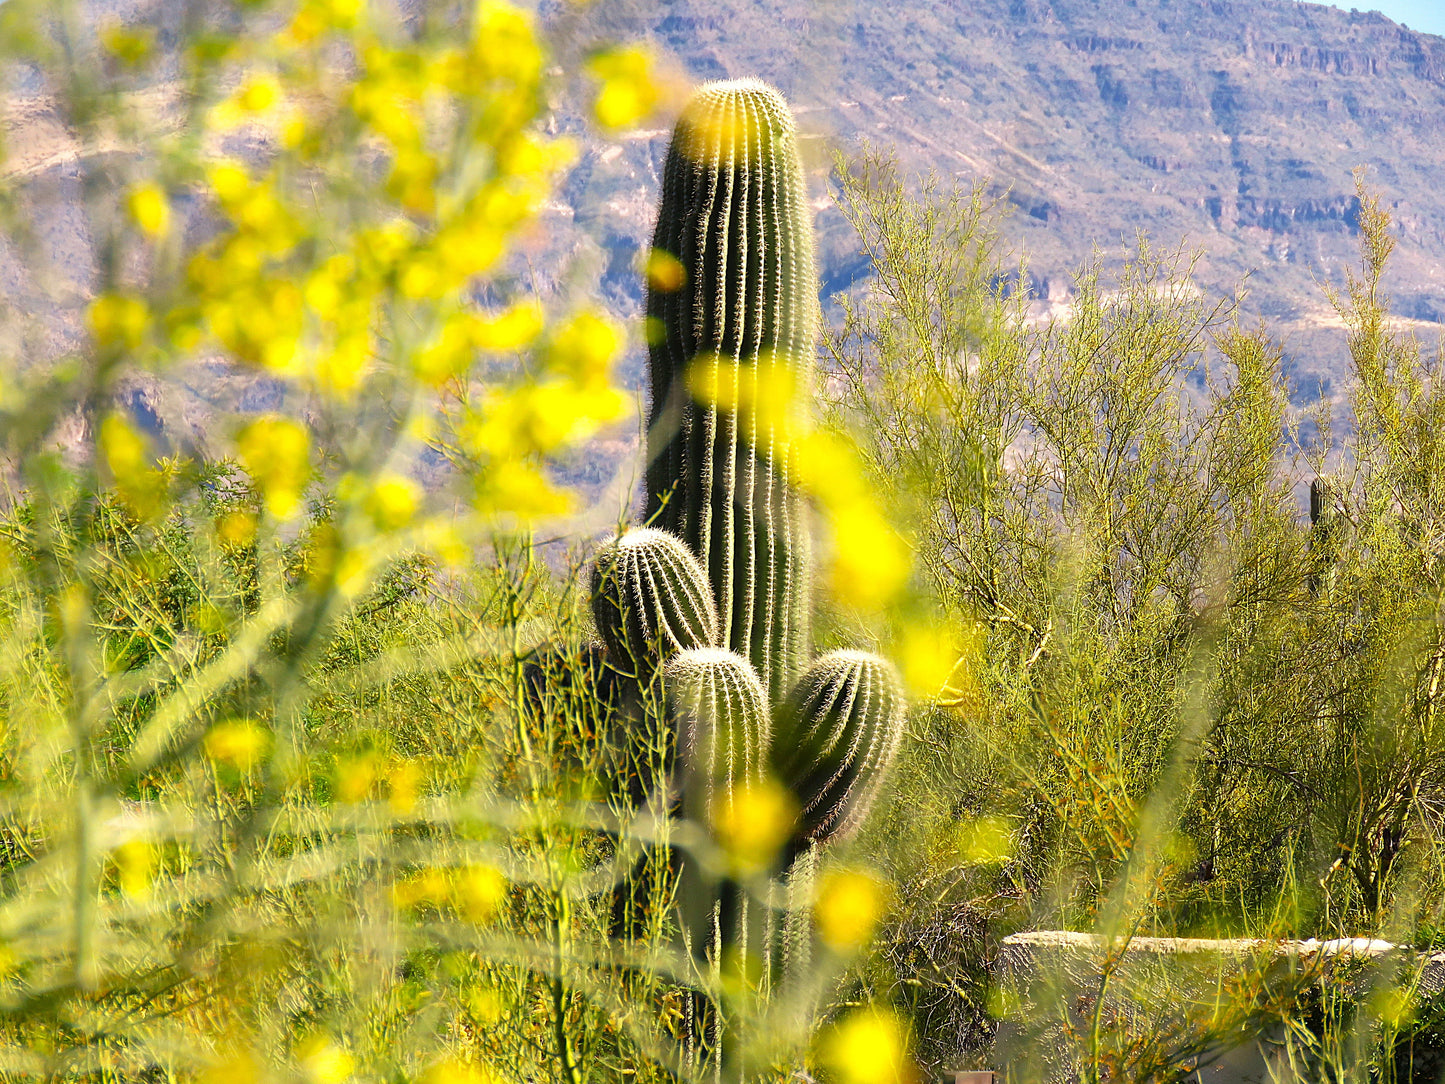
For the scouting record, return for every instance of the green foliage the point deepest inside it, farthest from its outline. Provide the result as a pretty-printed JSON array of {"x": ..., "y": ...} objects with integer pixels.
[{"x": 1175, "y": 708}]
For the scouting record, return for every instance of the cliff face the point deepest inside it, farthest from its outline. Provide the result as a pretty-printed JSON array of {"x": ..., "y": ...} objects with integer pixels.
[{"x": 1232, "y": 127}]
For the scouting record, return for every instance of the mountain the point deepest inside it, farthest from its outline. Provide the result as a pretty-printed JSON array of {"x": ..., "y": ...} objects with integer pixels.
[{"x": 1230, "y": 127}]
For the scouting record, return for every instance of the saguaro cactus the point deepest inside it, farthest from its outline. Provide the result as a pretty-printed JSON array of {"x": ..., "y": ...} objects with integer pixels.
[
  {"x": 651, "y": 599},
  {"x": 837, "y": 734},
  {"x": 732, "y": 317}
]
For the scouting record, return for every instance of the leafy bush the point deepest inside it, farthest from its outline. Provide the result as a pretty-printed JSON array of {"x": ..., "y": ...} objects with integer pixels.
[{"x": 1169, "y": 707}]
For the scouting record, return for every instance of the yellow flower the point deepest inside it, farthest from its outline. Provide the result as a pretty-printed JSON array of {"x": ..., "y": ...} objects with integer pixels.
[
  {"x": 355, "y": 776},
  {"x": 869, "y": 1046},
  {"x": 870, "y": 560},
  {"x": 276, "y": 452},
  {"x": 664, "y": 271},
  {"x": 753, "y": 822},
  {"x": 985, "y": 841},
  {"x": 131, "y": 45},
  {"x": 118, "y": 320},
  {"x": 229, "y": 181},
  {"x": 428, "y": 886},
  {"x": 504, "y": 43},
  {"x": 236, "y": 528},
  {"x": 629, "y": 92},
  {"x": 521, "y": 490},
  {"x": 511, "y": 330},
  {"x": 849, "y": 907},
  {"x": 928, "y": 654},
  {"x": 392, "y": 502},
  {"x": 324, "y": 1062},
  {"x": 478, "y": 892},
  {"x": 259, "y": 95},
  {"x": 238, "y": 743},
  {"x": 402, "y": 783},
  {"x": 135, "y": 864},
  {"x": 761, "y": 391},
  {"x": 150, "y": 209},
  {"x": 235, "y": 1067},
  {"x": 584, "y": 348},
  {"x": 341, "y": 369},
  {"x": 127, "y": 456}
]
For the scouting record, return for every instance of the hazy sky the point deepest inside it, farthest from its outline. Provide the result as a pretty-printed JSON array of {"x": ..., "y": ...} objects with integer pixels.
[{"x": 1427, "y": 15}]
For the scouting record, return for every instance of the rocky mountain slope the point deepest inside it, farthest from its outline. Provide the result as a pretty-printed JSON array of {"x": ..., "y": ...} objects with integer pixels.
[{"x": 1230, "y": 127}]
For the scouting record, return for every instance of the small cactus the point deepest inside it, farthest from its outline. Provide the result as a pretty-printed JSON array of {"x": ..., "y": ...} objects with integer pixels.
[
  {"x": 651, "y": 599},
  {"x": 836, "y": 736},
  {"x": 732, "y": 330}
]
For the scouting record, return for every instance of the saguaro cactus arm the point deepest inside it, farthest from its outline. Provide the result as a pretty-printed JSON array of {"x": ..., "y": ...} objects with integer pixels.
[
  {"x": 835, "y": 738},
  {"x": 651, "y": 599}
]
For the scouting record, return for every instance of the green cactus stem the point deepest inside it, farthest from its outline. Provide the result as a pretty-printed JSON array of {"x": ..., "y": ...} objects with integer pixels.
[
  {"x": 651, "y": 600},
  {"x": 721, "y": 715},
  {"x": 732, "y": 318},
  {"x": 835, "y": 738}
]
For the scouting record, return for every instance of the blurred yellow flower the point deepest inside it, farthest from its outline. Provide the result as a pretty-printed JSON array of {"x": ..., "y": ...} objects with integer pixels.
[
  {"x": 233, "y": 1067},
  {"x": 355, "y": 776},
  {"x": 276, "y": 452},
  {"x": 131, "y": 45},
  {"x": 584, "y": 348},
  {"x": 402, "y": 783},
  {"x": 429, "y": 886},
  {"x": 1393, "y": 1006},
  {"x": 849, "y": 906},
  {"x": 629, "y": 90},
  {"x": 128, "y": 458},
  {"x": 324, "y": 1062},
  {"x": 259, "y": 94},
  {"x": 761, "y": 391},
  {"x": 478, "y": 892},
  {"x": 520, "y": 489},
  {"x": 928, "y": 653},
  {"x": 752, "y": 823},
  {"x": 509, "y": 330},
  {"x": 985, "y": 841},
  {"x": 236, "y": 528},
  {"x": 504, "y": 43},
  {"x": 870, "y": 560},
  {"x": 238, "y": 743},
  {"x": 393, "y": 502},
  {"x": 664, "y": 271},
  {"x": 149, "y": 209},
  {"x": 135, "y": 865},
  {"x": 119, "y": 320},
  {"x": 869, "y": 1046}
]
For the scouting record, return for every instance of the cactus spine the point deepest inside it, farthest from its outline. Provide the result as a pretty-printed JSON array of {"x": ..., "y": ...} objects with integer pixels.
[
  {"x": 837, "y": 734},
  {"x": 731, "y": 336},
  {"x": 651, "y": 599}
]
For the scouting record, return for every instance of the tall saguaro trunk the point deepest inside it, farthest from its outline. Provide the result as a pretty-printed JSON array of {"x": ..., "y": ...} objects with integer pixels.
[{"x": 732, "y": 319}]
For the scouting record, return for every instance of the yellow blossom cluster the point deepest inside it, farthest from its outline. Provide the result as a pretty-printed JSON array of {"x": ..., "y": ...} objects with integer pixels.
[
  {"x": 473, "y": 892},
  {"x": 870, "y": 561}
]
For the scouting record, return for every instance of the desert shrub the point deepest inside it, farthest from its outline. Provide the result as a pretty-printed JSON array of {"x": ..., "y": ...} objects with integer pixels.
[{"x": 1175, "y": 706}]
